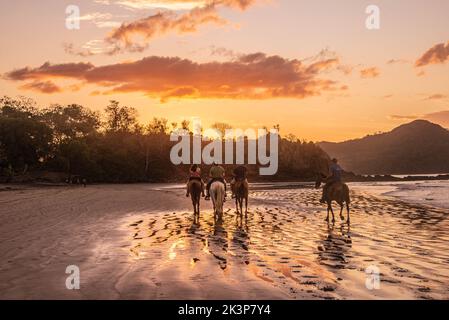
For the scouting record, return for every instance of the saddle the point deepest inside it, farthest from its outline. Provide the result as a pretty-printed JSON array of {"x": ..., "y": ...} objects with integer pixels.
[
  {"x": 337, "y": 186},
  {"x": 218, "y": 180},
  {"x": 334, "y": 189}
]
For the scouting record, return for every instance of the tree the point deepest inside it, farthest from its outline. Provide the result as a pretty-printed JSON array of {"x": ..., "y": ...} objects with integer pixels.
[
  {"x": 120, "y": 119},
  {"x": 20, "y": 107},
  {"x": 24, "y": 141},
  {"x": 221, "y": 127},
  {"x": 158, "y": 126},
  {"x": 71, "y": 122}
]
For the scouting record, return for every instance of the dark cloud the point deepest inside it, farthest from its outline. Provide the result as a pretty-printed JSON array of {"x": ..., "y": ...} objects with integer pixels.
[
  {"x": 46, "y": 87},
  {"x": 440, "y": 117},
  {"x": 437, "y": 96},
  {"x": 251, "y": 76},
  {"x": 438, "y": 54},
  {"x": 372, "y": 72},
  {"x": 127, "y": 36}
]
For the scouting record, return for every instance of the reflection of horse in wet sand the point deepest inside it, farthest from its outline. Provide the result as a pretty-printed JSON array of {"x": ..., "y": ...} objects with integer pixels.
[
  {"x": 338, "y": 192},
  {"x": 334, "y": 250},
  {"x": 217, "y": 194},
  {"x": 241, "y": 193},
  {"x": 195, "y": 194}
]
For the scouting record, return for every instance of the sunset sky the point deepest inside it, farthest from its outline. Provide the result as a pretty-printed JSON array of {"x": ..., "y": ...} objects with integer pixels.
[{"x": 311, "y": 66}]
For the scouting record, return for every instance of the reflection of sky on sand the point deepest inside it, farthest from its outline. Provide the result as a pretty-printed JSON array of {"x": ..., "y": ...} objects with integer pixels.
[
  {"x": 286, "y": 245},
  {"x": 172, "y": 251}
]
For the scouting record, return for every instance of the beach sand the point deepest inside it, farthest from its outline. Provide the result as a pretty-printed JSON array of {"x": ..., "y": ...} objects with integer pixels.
[{"x": 141, "y": 242}]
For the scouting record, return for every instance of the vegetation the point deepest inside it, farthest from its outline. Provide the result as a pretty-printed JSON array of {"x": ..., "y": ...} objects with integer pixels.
[
  {"x": 113, "y": 147},
  {"x": 419, "y": 147}
]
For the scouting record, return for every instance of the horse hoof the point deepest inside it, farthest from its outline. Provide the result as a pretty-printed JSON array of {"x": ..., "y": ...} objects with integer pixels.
[
  {"x": 327, "y": 219},
  {"x": 333, "y": 220},
  {"x": 342, "y": 218}
]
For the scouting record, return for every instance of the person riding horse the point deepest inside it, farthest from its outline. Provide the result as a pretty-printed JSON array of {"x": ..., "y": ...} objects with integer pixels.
[
  {"x": 334, "y": 177},
  {"x": 240, "y": 188},
  {"x": 335, "y": 190},
  {"x": 194, "y": 175},
  {"x": 239, "y": 175},
  {"x": 216, "y": 173}
]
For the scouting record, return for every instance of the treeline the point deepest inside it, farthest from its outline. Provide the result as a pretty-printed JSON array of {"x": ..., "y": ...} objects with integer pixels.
[{"x": 112, "y": 146}]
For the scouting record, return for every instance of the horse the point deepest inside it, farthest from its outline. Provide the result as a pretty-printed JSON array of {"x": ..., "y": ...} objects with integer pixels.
[
  {"x": 217, "y": 194},
  {"x": 195, "y": 194},
  {"x": 240, "y": 189},
  {"x": 338, "y": 192}
]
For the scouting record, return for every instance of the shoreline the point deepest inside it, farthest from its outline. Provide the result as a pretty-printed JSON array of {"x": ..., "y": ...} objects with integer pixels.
[{"x": 58, "y": 179}]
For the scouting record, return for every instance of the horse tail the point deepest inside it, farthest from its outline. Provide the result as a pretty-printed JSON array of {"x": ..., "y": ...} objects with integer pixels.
[{"x": 220, "y": 198}]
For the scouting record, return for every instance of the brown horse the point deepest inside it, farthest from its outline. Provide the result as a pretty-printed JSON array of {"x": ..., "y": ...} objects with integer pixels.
[
  {"x": 241, "y": 189},
  {"x": 338, "y": 192},
  {"x": 195, "y": 194}
]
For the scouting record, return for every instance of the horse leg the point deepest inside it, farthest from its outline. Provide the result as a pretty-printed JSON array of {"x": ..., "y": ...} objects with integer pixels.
[
  {"x": 347, "y": 209},
  {"x": 246, "y": 205},
  {"x": 237, "y": 204},
  {"x": 341, "y": 211},
  {"x": 327, "y": 218},
  {"x": 329, "y": 204}
]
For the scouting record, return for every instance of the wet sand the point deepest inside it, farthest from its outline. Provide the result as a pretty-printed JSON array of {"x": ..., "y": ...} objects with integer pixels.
[{"x": 142, "y": 242}]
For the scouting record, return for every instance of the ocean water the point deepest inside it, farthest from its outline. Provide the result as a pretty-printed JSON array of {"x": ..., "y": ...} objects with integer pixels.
[{"x": 431, "y": 193}]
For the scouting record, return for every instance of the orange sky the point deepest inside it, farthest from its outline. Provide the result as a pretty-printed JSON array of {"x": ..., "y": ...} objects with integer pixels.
[{"x": 311, "y": 66}]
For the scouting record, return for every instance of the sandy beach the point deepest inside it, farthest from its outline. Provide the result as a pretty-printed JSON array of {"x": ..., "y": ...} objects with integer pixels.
[{"x": 141, "y": 242}]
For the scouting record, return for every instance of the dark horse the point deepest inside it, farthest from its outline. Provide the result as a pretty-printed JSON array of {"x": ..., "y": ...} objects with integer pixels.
[
  {"x": 241, "y": 193},
  {"x": 338, "y": 192},
  {"x": 195, "y": 194}
]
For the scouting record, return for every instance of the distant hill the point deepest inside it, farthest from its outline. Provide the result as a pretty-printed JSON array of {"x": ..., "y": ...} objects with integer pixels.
[{"x": 417, "y": 147}]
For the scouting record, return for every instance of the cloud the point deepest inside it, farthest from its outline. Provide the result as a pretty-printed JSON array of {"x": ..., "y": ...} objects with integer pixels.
[
  {"x": 135, "y": 36},
  {"x": 89, "y": 49},
  {"x": 403, "y": 117},
  {"x": 46, "y": 87},
  {"x": 101, "y": 20},
  {"x": 372, "y": 72},
  {"x": 440, "y": 117},
  {"x": 251, "y": 76},
  {"x": 397, "y": 61},
  {"x": 160, "y": 4},
  {"x": 437, "y": 96},
  {"x": 47, "y": 70},
  {"x": 438, "y": 54}
]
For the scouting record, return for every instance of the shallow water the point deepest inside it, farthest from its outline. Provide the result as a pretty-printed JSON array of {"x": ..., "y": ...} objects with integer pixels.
[
  {"x": 433, "y": 193},
  {"x": 285, "y": 249}
]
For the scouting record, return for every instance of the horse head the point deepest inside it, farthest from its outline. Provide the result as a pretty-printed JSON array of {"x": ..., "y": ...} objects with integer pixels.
[{"x": 319, "y": 180}]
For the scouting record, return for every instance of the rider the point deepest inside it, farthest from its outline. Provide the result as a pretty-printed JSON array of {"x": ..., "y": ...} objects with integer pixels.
[
  {"x": 335, "y": 176},
  {"x": 216, "y": 173},
  {"x": 195, "y": 174},
  {"x": 239, "y": 174}
]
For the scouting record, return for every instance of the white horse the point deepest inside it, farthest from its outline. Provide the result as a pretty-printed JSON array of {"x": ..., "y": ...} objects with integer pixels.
[{"x": 217, "y": 194}]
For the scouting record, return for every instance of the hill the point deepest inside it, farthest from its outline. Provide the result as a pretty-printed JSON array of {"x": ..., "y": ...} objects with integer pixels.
[{"x": 414, "y": 148}]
